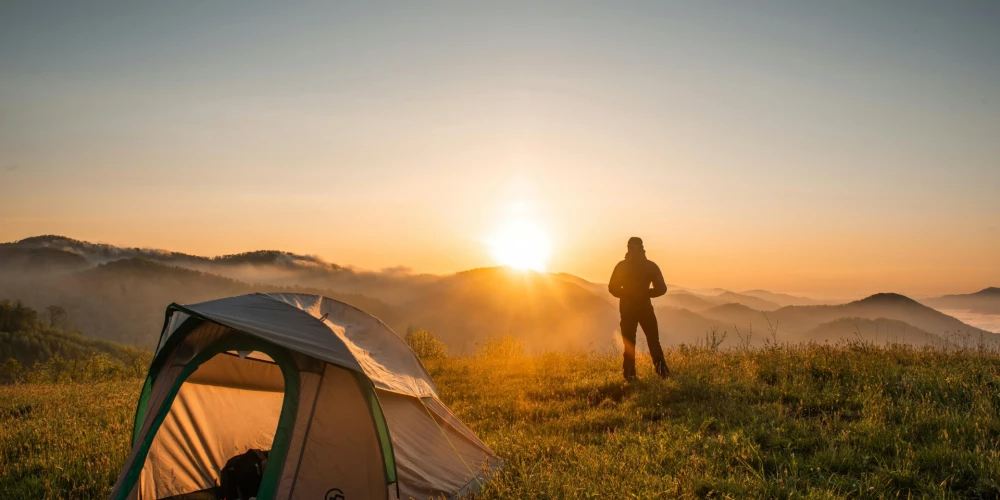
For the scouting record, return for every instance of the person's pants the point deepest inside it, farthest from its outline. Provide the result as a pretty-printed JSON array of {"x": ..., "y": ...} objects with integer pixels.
[{"x": 634, "y": 315}]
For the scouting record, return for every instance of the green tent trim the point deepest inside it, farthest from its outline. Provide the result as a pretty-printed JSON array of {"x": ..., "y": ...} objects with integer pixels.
[{"x": 286, "y": 420}]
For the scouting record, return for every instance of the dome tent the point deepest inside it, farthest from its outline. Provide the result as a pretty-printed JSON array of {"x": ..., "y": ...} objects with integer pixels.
[{"x": 344, "y": 406}]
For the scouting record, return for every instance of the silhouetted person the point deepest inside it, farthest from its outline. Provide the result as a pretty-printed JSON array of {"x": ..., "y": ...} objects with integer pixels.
[{"x": 630, "y": 282}]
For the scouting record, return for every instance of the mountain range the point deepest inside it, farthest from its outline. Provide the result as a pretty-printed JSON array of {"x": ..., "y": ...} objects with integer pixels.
[
  {"x": 119, "y": 294},
  {"x": 985, "y": 301}
]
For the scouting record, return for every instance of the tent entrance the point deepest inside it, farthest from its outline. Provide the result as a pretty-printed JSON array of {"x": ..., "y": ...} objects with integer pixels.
[
  {"x": 237, "y": 394},
  {"x": 229, "y": 405}
]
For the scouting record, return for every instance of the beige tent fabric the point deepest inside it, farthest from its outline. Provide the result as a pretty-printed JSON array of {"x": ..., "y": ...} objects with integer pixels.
[
  {"x": 334, "y": 442},
  {"x": 161, "y": 386},
  {"x": 434, "y": 456},
  {"x": 277, "y": 322},
  {"x": 348, "y": 337},
  {"x": 342, "y": 449},
  {"x": 206, "y": 426},
  {"x": 228, "y": 370},
  {"x": 172, "y": 367},
  {"x": 308, "y": 392},
  {"x": 383, "y": 355}
]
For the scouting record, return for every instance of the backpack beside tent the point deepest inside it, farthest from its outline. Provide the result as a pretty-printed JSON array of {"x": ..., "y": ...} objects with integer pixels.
[{"x": 342, "y": 405}]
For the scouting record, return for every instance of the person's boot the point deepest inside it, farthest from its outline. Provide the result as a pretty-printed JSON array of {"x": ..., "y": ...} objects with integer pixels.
[
  {"x": 662, "y": 370},
  {"x": 629, "y": 372}
]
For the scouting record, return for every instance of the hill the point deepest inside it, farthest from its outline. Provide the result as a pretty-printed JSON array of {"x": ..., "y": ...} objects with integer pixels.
[
  {"x": 906, "y": 321},
  {"x": 545, "y": 311},
  {"x": 685, "y": 300},
  {"x": 681, "y": 326},
  {"x": 876, "y": 331},
  {"x": 789, "y": 422},
  {"x": 985, "y": 301},
  {"x": 881, "y": 305},
  {"x": 730, "y": 310},
  {"x": 124, "y": 300},
  {"x": 99, "y": 253},
  {"x": 795, "y": 323},
  {"x": 29, "y": 343},
  {"x": 599, "y": 289},
  {"x": 16, "y": 260},
  {"x": 746, "y": 300},
  {"x": 782, "y": 299},
  {"x": 120, "y": 294},
  {"x": 266, "y": 267}
]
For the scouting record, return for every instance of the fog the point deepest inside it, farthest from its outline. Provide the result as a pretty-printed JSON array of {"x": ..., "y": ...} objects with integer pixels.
[{"x": 120, "y": 294}]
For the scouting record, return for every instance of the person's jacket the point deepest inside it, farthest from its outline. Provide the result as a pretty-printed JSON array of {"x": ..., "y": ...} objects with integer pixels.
[{"x": 632, "y": 278}]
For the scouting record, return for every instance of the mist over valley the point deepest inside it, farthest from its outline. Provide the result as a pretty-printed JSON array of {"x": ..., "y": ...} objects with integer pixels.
[{"x": 119, "y": 294}]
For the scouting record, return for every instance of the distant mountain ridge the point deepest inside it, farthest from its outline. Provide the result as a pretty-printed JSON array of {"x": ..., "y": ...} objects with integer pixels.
[
  {"x": 685, "y": 299},
  {"x": 22, "y": 260},
  {"x": 782, "y": 299},
  {"x": 985, "y": 301},
  {"x": 795, "y": 323},
  {"x": 96, "y": 253},
  {"x": 260, "y": 266},
  {"x": 120, "y": 293},
  {"x": 875, "y": 331},
  {"x": 99, "y": 253}
]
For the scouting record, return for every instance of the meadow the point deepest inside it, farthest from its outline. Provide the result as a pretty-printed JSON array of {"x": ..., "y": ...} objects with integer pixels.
[{"x": 784, "y": 421}]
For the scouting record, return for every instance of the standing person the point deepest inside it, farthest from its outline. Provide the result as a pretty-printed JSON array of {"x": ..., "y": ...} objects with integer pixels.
[{"x": 630, "y": 282}]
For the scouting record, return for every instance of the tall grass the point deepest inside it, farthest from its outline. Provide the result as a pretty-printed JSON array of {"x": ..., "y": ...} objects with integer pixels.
[
  {"x": 803, "y": 421},
  {"x": 65, "y": 440}
]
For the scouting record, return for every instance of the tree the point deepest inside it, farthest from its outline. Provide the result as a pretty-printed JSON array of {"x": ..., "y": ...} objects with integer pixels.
[
  {"x": 57, "y": 316},
  {"x": 16, "y": 317},
  {"x": 11, "y": 371}
]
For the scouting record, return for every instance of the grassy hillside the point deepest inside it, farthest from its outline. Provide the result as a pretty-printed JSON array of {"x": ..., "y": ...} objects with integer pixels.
[
  {"x": 36, "y": 349},
  {"x": 787, "y": 422}
]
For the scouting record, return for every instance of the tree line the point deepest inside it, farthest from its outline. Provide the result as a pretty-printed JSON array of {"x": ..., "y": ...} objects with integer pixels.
[{"x": 40, "y": 347}]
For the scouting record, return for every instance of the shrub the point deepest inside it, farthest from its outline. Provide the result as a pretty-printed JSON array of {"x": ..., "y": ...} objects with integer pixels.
[
  {"x": 505, "y": 347},
  {"x": 11, "y": 372},
  {"x": 425, "y": 345}
]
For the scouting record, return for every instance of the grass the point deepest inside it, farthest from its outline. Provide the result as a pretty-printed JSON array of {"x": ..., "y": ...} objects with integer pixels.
[
  {"x": 64, "y": 440},
  {"x": 780, "y": 422}
]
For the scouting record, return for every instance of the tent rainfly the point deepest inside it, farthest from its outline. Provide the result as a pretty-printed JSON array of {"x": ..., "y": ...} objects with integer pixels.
[{"x": 341, "y": 403}]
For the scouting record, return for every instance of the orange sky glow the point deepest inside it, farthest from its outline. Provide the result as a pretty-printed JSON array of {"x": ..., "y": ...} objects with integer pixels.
[{"x": 823, "y": 149}]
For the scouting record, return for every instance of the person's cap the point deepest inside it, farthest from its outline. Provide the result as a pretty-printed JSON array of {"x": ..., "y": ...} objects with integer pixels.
[{"x": 635, "y": 241}]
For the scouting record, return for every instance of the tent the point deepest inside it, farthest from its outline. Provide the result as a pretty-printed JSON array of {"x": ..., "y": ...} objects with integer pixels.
[{"x": 345, "y": 408}]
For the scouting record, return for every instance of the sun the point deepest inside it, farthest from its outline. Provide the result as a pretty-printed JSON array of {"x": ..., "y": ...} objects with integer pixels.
[{"x": 521, "y": 244}]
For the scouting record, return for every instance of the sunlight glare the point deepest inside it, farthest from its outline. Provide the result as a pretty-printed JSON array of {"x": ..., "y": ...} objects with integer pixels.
[{"x": 521, "y": 244}]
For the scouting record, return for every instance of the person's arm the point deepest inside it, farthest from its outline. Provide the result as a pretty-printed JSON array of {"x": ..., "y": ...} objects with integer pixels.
[
  {"x": 615, "y": 283},
  {"x": 659, "y": 286}
]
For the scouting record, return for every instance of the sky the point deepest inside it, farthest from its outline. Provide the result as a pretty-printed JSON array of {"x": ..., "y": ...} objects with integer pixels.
[{"x": 827, "y": 148}]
